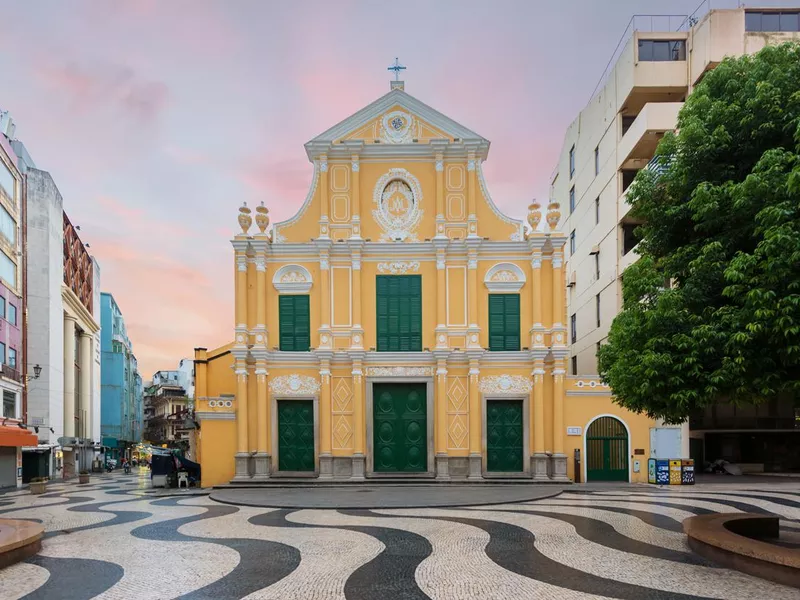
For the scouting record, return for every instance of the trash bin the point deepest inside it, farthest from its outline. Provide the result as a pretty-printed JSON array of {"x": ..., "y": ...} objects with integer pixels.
[
  {"x": 675, "y": 472},
  {"x": 651, "y": 470},
  {"x": 662, "y": 472},
  {"x": 687, "y": 472}
]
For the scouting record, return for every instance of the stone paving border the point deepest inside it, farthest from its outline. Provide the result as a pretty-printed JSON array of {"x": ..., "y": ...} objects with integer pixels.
[{"x": 384, "y": 496}]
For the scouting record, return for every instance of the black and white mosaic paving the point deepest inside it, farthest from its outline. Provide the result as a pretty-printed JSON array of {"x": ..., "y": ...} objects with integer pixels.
[{"x": 113, "y": 539}]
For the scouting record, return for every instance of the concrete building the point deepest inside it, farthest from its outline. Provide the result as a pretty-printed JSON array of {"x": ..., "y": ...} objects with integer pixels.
[
  {"x": 167, "y": 401},
  {"x": 121, "y": 410},
  {"x": 656, "y": 66},
  {"x": 12, "y": 311}
]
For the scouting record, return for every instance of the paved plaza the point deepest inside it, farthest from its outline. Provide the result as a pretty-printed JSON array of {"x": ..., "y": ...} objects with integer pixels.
[{"x": 116, "y": 538}]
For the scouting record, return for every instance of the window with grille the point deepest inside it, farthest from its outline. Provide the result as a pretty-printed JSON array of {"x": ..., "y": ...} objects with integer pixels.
[{"x": 504, "y": 323}]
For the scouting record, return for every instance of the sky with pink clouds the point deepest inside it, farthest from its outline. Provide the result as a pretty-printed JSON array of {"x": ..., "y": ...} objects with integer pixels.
[{"x": 157, "y": 118}]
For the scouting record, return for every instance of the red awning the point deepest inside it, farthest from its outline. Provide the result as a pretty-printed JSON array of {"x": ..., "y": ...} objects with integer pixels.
[{"x": 12, "y": 435}]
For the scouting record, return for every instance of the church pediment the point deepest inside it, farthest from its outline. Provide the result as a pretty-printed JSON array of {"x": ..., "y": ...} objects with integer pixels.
[{"x": 395, "y": 119}]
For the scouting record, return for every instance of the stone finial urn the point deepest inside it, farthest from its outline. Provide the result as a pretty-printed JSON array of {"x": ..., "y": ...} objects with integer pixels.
[
  {"x": 534, "y": 215},
  {"x": 245, "y": 220},
  {"x": 262, "y": 217},
  {"x": 553, "y": 214}
]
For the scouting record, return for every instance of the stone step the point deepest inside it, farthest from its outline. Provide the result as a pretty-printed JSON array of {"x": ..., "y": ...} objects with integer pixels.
[{"x": 383, "y": 481}]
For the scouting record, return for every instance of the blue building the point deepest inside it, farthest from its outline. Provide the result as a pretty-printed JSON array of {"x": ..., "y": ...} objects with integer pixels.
[{"x": 121, "y": 413}]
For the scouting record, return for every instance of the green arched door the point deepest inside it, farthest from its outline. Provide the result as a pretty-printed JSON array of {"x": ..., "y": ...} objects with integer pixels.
[{"x": 607, "y": 450}]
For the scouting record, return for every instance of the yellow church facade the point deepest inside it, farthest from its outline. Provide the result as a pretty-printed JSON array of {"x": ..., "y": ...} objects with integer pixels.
[{"x": 400, "y": 326}]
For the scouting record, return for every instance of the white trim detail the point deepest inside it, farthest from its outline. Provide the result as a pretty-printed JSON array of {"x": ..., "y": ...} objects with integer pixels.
[
  {"x": 294, "y": 385},
  {"x": 399, "y": 371},
  {"x": 398, "y": 268},
  {"x": 292, "y": 279},
  {"x": 505, "y": 277},
  {"x": 505, "y": 385},
  {"x": 278, "y": 238},
  {"x": 398, "y": 226},
  {"x": 518, "y": 235}
]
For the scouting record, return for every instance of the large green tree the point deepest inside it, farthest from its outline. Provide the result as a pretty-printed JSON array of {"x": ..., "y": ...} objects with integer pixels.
[{"x": 711, "y": 310}]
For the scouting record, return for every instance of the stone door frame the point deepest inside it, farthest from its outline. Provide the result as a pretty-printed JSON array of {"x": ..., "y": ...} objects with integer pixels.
[{"x": 274, "y": 471}]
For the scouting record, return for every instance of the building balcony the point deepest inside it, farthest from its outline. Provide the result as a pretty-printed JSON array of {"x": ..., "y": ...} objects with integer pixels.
[
  {"x": 11, "y": 373},
  {"x": 640, "y": 141}
]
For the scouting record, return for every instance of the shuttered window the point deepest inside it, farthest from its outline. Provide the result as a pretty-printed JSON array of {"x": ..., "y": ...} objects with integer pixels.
[
  {"x": 504, "y": 323},
  {"x": 295, "y": 323},
  {"x": 399, "y": 313}
]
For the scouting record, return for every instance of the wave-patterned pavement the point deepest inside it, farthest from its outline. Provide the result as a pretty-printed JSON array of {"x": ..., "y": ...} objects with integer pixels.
[{"x": 114, "y": 540}]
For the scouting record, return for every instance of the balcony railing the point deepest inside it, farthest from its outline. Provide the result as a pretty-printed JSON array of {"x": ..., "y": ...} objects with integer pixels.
[{"x": 12, "y": 373}]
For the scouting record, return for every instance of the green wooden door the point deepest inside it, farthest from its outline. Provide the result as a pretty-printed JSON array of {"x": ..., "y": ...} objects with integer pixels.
[
  {"x": 399, "y": 313},
  {"x": 400, "y": 439},
  {"x": 295, "y": 435},
  {"x": 607, "y": 450},
  {"x": 504, "y": 436}
]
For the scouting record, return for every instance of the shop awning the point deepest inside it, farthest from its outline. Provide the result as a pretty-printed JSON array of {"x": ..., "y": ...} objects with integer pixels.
[{"x": 12, "y": 435}]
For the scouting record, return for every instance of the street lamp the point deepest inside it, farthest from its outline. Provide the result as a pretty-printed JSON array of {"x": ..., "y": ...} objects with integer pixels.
[{"x": 37, "y": 371}]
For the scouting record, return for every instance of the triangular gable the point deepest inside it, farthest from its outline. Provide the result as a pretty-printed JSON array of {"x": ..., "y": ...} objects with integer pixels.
[{"x": 367, "y": 121}]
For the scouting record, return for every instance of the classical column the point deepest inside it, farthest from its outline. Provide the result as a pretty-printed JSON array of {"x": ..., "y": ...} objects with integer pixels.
[
  {"x": 85, "y": 412},
  {"x": 261, "y": 299},
  {"x": 539, "y": 460},
  {"x": 325, "y": 339},
  {"x": 242, "y": 471},
  {"x": 325, "y": 456},
  {"x": 558, "y": 459},
  {"x": 475, "y": 430},
  {"x": 357, "y": 339},
  {"x": 359, "y": 424},
  {"x": 473, "y": 330},
  {"x": 537, "y": 329},
  {"x": 559, "y": 294},
  {"x": 441, "y": 295},
  {"x": 70, "y": 467},
  {"x": 262, "y": 456},
  {"x": 323, "y": 196},
  {"x": 440, "y": 417},
  {"x": 355, "y": 196},
  {"x": 440, "y": 220},
  {"x": 472, "y": 218}
]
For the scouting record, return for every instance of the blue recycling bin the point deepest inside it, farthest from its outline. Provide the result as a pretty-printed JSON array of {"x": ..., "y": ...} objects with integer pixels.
[{"x": 662, "y": 472}]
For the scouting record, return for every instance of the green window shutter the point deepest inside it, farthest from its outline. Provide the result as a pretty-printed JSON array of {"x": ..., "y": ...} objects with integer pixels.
[
  {"x": 294, "y": 322},
  {"x": 399, "y": 313},
  {"x": 504, "y": 322}
]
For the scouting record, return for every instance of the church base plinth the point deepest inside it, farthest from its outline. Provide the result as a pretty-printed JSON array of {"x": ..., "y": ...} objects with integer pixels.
[
  {"x": 242, "y": 467},
  {"x": 539, "y": 467},
  {"x": 475, "y": 467},
  {"x": 261, "y": 466},
  {"x": 325, "y": 466},
  {"x": 442, "y": 467},
  {"x": 558, "y": 467},
  {"x": 359, "y": 463}
]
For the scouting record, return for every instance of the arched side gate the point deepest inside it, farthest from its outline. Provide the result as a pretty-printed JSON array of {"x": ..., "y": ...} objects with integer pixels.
[{"x": 607, "y": 450}]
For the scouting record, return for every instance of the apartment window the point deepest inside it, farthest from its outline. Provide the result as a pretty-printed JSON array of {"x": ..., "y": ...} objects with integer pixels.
[
  {"x": 597, "y": 160},
  {"x": 7, "y": 181},
  {"x": 8, "y": 270},
  {"x": 8, "y": 226},
  {"x": 12, "y": 314},
  {"x": 12, "y": 358},
  {"x": 627, "y": 121},
  {"x": 597, "y": 308},
  {"x": 574, "y": 362},
  {"x": 629, "y": 237},
  {"x": 504, "y": 322},
  {"x": 9, "y": 404},
  {"x": 772, "y": 20},
  {"x": 572, "y": 161},
  {"x": 399, "y": 313},
  {"x": 2, "y": 307},
  {"x": 662, "y": 50},
  {"x": 572, "y": 242},
  {"x": 573, "y": 324},
  {"x": 597, "y": 210},
  {"x": 294, "y": 323},
  {"x": 2, "y": 353},
  {"x": 628, "y": 175},
  {"x": 572, "y": 199},
  {"x": 597, "y": 266}
]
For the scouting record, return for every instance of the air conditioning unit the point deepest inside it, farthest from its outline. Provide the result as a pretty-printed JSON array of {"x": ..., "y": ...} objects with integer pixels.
[
  {"x": 595, "y": 250},
  {"x": 572, "y": 280}
]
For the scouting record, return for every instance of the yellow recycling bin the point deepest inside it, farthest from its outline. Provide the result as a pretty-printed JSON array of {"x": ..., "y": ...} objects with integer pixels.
[{"x": 674, "y": 472}]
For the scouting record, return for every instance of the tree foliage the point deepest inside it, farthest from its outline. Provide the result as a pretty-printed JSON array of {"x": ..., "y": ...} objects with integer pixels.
[{"x": 722, "y": 226}]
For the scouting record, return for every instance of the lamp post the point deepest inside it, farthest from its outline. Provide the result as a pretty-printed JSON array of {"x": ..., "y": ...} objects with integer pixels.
[{"x": 37, "y": 371}]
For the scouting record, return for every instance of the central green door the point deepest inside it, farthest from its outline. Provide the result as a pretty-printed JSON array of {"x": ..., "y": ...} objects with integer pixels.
[
  {"x": 504, "y": 436},
  {"x": 400, "y": 418},
  {"x": 606, "y": 450},
  {"x": 295, "y": 435}
]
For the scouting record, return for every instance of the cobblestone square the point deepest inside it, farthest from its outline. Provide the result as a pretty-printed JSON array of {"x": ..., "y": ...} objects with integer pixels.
[{"x": 116, "y": 539}]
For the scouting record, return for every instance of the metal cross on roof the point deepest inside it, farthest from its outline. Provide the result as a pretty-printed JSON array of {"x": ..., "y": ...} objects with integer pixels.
[{"x": 396, "y": 67}]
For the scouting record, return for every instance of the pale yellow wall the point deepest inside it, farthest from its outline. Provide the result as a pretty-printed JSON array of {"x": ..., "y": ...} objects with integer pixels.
[{"x": 217, "y": 447}]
